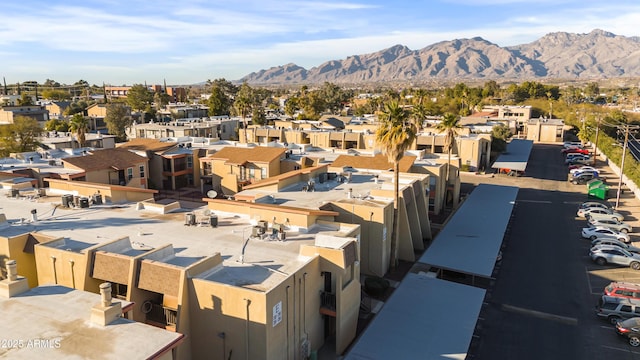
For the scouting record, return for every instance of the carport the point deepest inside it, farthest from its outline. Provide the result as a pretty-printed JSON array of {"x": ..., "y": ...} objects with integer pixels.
[
  {"x": 466, "y": 249},
  {"x": 425, "y": 318},
  {"x": 514, "y": 160}
]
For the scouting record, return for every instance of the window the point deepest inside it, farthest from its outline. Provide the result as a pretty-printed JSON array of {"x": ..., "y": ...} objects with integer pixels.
[
  {"x": 189, "y": 162},
  {"x": 263, "y": 173},
  {"x": 625, "y": 308},
  {"x": 129, "y": 173},
  {"x": 252, "y": 173},
  {"x": 141, "y": 171}
]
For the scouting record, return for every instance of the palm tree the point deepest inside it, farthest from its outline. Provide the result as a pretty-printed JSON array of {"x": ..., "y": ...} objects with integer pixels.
[
  {"x": 395, "y": 134},
  {"x": 449, "y": 126},
  {"x": 80, "y": 125}
]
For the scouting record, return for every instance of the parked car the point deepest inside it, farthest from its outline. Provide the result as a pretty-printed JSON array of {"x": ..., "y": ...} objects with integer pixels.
[
  {"x": 580, "y": 159},
  {"x": 599, "y": 213},
  {"x": 611, "y": 224},
  {"x": 604, "y": 233},
  {"x": 582, "y": 168},
  {"x": 615, "y": 309},
  {"x": 583, "y": 178},
  {"x": 569, "y": 144},
  {"x": 595, "y": 173},
  {"x": 620, "y": 226},
  {"x": 590, "y": 204},
  {"x": 573, "y": 155},
  {"x": 614, "y": 242},
  {"x": 622, "y": 289},
  {"x": 575, "y": 150},
  {"x": 630, "y": 328},
  {"x": 609, "y": 254}
]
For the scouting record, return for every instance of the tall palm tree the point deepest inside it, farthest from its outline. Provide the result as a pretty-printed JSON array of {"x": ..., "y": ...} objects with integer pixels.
[
  {"x": 449, "y": 126},
  {"x": 80, "y": 125},
  {"x": 395, "y": 134}
]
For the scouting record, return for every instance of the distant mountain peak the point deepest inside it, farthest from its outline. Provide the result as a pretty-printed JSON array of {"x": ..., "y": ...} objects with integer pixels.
[{"x": 598, "y": 54}]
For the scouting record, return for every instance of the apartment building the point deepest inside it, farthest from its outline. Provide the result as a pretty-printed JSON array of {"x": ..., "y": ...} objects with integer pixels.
[
  {"x": 37, "y": 112},
  {"x": 110, "y": 166},
  {"x": 172, "y": 165},
  {"x": 262, "y": 281},
  {"x": 231, "y": 168}
]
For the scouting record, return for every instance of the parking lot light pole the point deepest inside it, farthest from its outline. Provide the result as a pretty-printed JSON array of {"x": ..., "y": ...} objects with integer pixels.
[{"x": 624, "y": 154}]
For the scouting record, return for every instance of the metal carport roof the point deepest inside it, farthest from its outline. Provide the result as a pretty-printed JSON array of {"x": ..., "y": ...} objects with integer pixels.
[
  {"x": 516, "y": 156},
  {"x": 425, "y": 318},
  {"x": 470, "y": 241}
]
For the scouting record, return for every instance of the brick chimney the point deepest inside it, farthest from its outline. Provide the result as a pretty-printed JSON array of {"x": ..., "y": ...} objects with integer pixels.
[
  {"x": 13, "y": 284},
  {"x": 106, "y": 311}
]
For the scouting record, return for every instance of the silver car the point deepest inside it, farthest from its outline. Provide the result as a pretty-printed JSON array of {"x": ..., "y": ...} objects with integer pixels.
[
  {"x": 611, "y": 224},
  {"x": 599, "y": 213},
  {"x": 594, "y": 233},
  {"x": 614, "y": 242},
  {"x": 610, "y": 254}
]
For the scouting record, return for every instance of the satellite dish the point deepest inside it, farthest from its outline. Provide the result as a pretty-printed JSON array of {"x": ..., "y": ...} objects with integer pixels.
[{"x": 212, "y": 194}]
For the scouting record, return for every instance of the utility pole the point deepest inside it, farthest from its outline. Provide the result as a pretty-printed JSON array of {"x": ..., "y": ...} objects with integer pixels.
[
  {"x": 624, "y": 154},
  {"x": 595, "y": 145}
]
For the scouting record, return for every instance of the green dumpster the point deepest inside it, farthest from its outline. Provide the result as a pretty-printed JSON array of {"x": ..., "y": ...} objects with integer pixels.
[
  {"x": 599, "y": 192},
  {"x": 594, "y": 183}
]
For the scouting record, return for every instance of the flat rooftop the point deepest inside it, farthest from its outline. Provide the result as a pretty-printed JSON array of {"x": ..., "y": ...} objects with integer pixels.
[
  {"x": 360, "y": 186},
  {"x": 81, "y": 228},
  {"x": 64, "y": 329}
]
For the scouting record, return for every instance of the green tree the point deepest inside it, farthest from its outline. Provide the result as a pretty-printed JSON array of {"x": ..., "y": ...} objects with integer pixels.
[
  {"x": 500, "y": 134},
  {"x": 79, "y": 125},
  {"x": 291, "y": 106},
  {"x": 258, "y": 116},
  {"x": 161, "y": 100},
  {"x": 139, "y": 97},
  {"x": 333, "y": 96},
  {"x": 243, "y": 104},
  {"x": 25, "y": 100},
  {"x": 490, "y": 89},
  {"x": 77, "y": 107},
  {"x": 312, "y": 105},
  {"x": 449, "y": 125},
  {"x": 56, "y": 94},
  {"x": 118, "y": 118},
  {"x": 56, "y": 125},
  {"x": 219, "y": 102},
  {"x": 20, "y": 136},
  {"x": 395, "y": 134}
]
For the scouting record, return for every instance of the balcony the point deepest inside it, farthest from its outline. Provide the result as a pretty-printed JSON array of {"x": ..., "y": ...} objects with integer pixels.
[
  {"x": 162, "y": 317},
  {"x": 328, "y": 304}
]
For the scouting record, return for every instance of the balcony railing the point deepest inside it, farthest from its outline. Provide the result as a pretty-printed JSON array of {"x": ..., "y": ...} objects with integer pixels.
[{"x": 328, "y": 303}]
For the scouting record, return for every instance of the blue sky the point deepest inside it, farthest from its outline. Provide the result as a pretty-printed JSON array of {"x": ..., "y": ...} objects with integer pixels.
[{"x": 189, "y": 41}]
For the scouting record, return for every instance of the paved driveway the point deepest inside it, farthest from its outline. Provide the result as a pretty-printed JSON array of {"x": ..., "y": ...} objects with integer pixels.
[{"x": 541, "y": 305}]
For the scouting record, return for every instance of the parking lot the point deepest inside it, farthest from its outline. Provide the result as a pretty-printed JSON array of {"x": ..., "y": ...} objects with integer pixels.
[{"x": 542, "y": 305}]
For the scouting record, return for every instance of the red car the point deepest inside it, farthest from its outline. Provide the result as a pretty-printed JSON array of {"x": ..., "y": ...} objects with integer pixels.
[{"x": 575, "y": 151}]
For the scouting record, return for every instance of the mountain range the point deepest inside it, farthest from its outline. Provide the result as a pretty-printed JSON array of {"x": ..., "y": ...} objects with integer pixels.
[{"x": 560, "y": 55}]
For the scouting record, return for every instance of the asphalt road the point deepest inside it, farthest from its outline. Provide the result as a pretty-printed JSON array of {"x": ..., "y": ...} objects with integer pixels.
[{"x": 541, "y": 305}]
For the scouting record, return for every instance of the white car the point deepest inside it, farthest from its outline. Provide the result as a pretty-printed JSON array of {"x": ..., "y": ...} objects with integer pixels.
[
  {"x": 594, "y": 204},
  {"x": 572, "y": 144},
  {"x": 615, "y": 243},
  {"x": 599, "y": 213},
  {"x": 595, "y": 233},
  {"x": 611, "y": 224}
]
